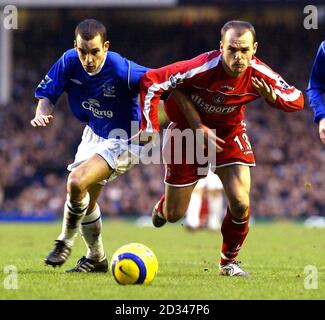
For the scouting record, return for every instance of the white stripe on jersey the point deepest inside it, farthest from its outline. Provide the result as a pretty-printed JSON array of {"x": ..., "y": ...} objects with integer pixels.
[
  {"x": 129, "y": 74},
  {"x": 63, "y": 60},
  {"x": 167, "y": 84},
  {"x": 288, "y": 97},
  {"x": 292, "y": 96}
]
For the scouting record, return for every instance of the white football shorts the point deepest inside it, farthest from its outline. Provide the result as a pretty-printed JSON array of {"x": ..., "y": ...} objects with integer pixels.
[
  {"x": 211, "y": 182},
  {"x": 120, "y": 155}
]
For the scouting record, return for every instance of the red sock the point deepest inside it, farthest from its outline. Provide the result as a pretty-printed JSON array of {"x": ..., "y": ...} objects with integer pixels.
[
  {"x": 234, "y": 232},
  {"x": 160, "y": 205}
]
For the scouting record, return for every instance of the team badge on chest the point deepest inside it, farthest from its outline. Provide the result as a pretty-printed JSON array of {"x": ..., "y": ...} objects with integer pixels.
[
  {"x": 218, "y": 99},
  {"x": 108, "y": 90}
]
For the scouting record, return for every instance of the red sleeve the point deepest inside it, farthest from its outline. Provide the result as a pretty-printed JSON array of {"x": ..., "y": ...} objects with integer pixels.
[
  {"x": 155, "y": 82},
  {"x": 288, "y": 98}
]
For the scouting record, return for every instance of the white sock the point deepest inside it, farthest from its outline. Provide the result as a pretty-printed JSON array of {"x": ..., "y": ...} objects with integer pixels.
[
  {"x": 90, "y": 229},
  {"x": 193, "y": 212},
  {"x": 73, "y": 215},
  {"x": 216, "y": 211}
]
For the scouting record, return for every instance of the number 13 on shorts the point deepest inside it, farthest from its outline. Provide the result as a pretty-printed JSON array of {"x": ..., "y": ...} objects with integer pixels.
[{"x": 243, "y": 143}]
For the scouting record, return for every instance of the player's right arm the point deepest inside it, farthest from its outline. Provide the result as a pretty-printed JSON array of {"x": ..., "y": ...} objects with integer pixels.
[
  {"x": 48, "y": 92},
  {"x": 158, "y": 82},
  {"x": 194, "y": 120},
  {"x": 316, "y": 90},
  {"x": 43, "y": 114}
]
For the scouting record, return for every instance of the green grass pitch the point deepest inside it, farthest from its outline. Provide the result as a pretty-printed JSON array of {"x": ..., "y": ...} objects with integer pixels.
[{"x": 275, "y": 254}]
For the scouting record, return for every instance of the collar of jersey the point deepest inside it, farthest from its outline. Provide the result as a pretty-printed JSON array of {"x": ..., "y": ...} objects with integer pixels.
[{"x": 99, "y": 69}]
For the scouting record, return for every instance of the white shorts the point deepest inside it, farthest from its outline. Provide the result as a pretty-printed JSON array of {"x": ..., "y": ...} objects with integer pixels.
[
  {"x": 119, "y": 155},
  {"x": 211, "y": 182}
]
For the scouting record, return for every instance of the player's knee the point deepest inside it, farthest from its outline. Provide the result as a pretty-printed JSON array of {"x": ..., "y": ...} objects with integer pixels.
[
  {"x": 76, "y": 184},
  {"x": 239, "y": 207}
]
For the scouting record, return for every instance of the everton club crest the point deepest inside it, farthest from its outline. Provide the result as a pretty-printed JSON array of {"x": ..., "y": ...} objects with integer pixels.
[{"x": 108, "y": 90}]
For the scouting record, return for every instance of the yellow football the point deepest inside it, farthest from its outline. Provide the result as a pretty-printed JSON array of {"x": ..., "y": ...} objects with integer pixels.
[{"x": 134, "y": 263}]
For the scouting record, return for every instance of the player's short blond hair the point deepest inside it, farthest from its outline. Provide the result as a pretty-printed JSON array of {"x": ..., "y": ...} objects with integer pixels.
[{"x": 240, "y": 26}]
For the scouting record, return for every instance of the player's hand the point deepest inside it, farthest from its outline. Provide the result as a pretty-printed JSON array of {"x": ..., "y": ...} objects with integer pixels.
[
  {"x": 210, "y": 138},
  {"x": 322, "y": 130},
  {"x": 264, "y": 90},
  {"x": 41, "y": 120}
]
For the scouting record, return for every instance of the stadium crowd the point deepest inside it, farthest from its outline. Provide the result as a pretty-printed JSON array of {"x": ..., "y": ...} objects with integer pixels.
[{"x": 288, "y": 180}]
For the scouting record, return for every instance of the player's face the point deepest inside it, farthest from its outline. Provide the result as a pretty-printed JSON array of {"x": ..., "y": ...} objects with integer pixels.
[
  {"x": 237, "y": 51},
  {"x": 92, "y": 52}
]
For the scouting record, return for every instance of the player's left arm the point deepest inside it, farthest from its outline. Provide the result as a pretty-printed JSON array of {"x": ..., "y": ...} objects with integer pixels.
[{"x": 278, "y": 93}]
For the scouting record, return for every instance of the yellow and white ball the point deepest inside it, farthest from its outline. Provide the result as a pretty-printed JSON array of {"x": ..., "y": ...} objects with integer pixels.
[{"x": 134, "y": 263}]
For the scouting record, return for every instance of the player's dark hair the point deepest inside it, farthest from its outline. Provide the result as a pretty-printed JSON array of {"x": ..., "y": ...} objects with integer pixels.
[
  {"x": 89, "y": 29},
  {"x": 240, "y": 26}
]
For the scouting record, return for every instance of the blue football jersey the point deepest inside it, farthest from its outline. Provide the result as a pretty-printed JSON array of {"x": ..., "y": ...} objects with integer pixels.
[
  {"x": 316, "y": 85},
  {"x": 105, "y": 101}
]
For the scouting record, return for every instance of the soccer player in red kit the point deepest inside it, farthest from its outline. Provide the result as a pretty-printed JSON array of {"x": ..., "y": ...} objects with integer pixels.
[{"x": 212, "y": 90}]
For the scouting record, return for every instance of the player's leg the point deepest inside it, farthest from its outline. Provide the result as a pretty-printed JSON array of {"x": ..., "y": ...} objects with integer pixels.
[
  {"x": 172, "y": 205},
  {"x": 180, "y": 180},
  {"x": 120, "y": 156},
  {"x": 236, "y": 181},
  {"x": 91, "y": 226},
  {"x": 87, "y": 174},
  {"x": 91, "y": 229}
]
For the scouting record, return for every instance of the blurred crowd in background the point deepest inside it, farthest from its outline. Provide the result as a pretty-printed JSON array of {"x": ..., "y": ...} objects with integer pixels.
[{"x": 288, "y": 181}]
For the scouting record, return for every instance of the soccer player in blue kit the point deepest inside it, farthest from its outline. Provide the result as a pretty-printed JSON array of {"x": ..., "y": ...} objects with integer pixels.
[
  {"x": 316, "y": 90},
  {"x": 102, "y": 90}
]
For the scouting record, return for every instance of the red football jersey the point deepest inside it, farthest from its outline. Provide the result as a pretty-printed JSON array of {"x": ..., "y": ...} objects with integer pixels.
[{"x": 219, "y": 98}]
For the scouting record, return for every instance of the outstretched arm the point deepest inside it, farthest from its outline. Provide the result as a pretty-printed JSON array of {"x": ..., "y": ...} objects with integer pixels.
[
  {"x": 43, "y": 114},
  {"x": 161, "y": 82},
  {"x": 277, "y": 93},
  {"x": 48, "y": 92}
]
